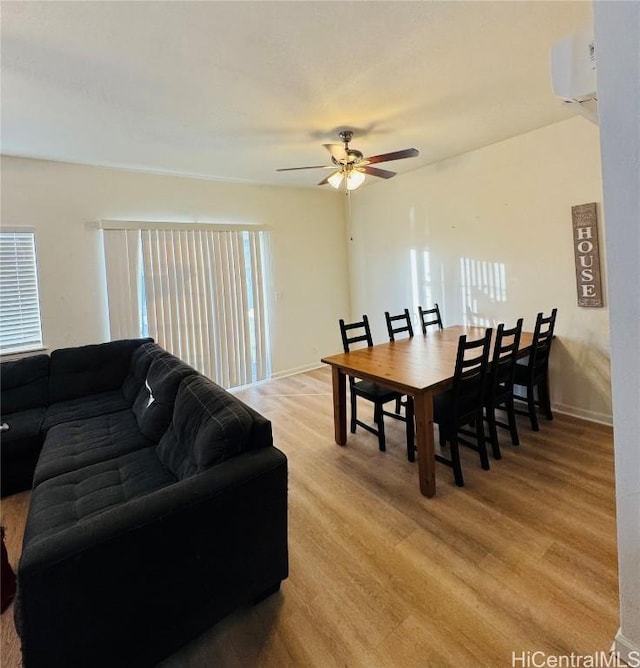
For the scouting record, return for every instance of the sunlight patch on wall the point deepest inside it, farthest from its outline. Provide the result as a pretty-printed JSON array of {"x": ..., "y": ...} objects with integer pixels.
[
  {"x": 482, "y": 283},
  {"x": 421, "y": 290}
]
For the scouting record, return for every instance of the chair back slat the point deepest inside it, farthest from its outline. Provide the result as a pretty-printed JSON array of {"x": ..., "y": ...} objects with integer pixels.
[
  {"x": 469, "y": 379},
  {"x": 355, "y": 332},
  {"x": 503, "y": 364},
  {"x": 362, "y": 333},
  {"x": 430, "y": 317},
  {"x": 403, "y": 324},
  {"x": 541, "y": 345}
]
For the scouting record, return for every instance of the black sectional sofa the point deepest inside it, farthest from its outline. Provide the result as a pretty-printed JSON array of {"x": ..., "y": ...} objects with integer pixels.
[{"x": 159, "y": 503}]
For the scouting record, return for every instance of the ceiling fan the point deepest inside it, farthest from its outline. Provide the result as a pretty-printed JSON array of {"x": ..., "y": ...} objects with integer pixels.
[{"x": 351, "y": 165}]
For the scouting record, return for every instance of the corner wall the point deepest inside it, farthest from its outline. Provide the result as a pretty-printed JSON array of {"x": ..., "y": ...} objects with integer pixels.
[
  {"x": 62, "y": 202},
  {"x": 488, "y": 236},
  {"x": 617, "y": 37}
]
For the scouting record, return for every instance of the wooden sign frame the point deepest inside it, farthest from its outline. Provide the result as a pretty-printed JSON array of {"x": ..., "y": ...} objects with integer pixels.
[{"x": 587, "y": 254}]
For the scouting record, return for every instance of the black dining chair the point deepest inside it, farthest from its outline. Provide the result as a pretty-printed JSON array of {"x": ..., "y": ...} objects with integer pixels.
[
  {"x": 360, "y": 332},
  {"x": 499, "y": 392},
  {"x": 533, "y": 374},
  {"x": 398, "y": 324},
  {"x": 462, "y": 405},
  {"x": 430, "y": 317},
  {"x": 401, "y": 324}
]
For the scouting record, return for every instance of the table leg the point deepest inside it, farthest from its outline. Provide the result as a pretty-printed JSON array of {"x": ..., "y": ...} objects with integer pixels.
[
  {"x": 423, "y": 404},
  {"x": 339, "y": 383}
]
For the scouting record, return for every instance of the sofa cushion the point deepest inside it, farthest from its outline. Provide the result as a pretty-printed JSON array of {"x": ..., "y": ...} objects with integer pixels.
[
  {"x": 140, "y": 362},
  {"x": 24, "y": 383},
  {"x": 83, "y": 408},
  {"x": 72, "y": 445},
  {"x": 81, "y": 495},
  {"x": 208, "y": 426},
  {"x": 153, "y": 406},
  {"x": 19, "y": 449},
  {"x": 86, "y": 370}
]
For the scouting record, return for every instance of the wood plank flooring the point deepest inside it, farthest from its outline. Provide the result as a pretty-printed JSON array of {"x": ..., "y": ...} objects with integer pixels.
[{"x": 522, "y": 558}]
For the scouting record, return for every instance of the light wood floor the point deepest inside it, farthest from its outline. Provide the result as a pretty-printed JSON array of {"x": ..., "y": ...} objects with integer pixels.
[{"x": 522, "y": 558}]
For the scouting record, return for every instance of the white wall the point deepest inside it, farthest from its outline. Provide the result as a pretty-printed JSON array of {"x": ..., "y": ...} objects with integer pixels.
[
  {"x": 61, "y": 201},
  {"x": 617, "y": 37},
  {"x": 507, "y": 205}
]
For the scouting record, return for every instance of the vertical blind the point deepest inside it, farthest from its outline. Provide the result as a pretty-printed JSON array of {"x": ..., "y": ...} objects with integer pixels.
[
  {"x": 122, "y": 259},
  {"x": 20, "y": 326},
  {"x": 198, "y": 292}
]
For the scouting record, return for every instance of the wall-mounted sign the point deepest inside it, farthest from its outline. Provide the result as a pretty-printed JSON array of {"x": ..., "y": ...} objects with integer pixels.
[{"x": 587, "y": 254}]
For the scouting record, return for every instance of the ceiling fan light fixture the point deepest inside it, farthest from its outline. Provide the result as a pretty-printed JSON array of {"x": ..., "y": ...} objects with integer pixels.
[
  {"x": 336, "y": 179},
  {"x": 352, "y": 166},
  {"x": 355, "y": 179}
]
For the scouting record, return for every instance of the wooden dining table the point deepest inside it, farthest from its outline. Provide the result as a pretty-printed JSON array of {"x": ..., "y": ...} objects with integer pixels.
[{"x": 421, "y": 366}]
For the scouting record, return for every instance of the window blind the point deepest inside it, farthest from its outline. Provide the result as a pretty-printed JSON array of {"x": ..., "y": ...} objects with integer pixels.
[
  {"x": 20, "y": 325},
  {"x": 198, "y": 292},
  {"x": 122, "y": 259}
]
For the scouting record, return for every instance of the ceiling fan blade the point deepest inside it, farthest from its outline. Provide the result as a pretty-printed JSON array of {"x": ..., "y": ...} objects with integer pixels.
[
  {"x": 396, "y": 155},
  {"x": 326, "y": 179},
  {"x": 374, "y": 171},
  {"x": 293, "y": 169},
  {"x": 338, "y": 151}
]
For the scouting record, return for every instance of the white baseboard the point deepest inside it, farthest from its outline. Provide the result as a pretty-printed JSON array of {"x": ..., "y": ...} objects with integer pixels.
[
  {"x": 300, "y": 369},
  {"x": 627, "y": 651},
  {"x": 591, "y": 416},
  {"x": 275, "y": 376}
]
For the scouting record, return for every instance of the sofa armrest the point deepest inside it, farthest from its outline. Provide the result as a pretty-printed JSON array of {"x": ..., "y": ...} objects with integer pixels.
[{"x": 140, "y": 580}]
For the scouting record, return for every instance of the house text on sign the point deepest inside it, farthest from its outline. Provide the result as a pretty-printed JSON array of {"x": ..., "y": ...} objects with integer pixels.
[{"x": 587, "y": 254}]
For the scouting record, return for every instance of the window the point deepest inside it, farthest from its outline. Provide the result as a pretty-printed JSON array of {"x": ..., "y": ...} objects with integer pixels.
[
  {"x": 20, "y": 326},
  {"x": 197, "y": 290}
]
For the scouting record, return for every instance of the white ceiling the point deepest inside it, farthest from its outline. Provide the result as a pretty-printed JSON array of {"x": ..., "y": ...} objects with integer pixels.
[{"x": 234, "y": 90}]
